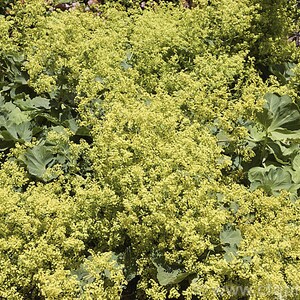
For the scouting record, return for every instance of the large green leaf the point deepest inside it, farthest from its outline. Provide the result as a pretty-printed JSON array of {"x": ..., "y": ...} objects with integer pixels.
[
  {"x": 165, "y": 277},
  {"x": 21, "y": 132},
  {"x": 230, "y": 239},
  {"x": 282, "y": 152},
  {"x": 275, "y": 102},
  {"x": 272, "y": 179},
  {"x": 295, "y": 170},
  {"x": 283, "y": 72},
  {"x": 17, "y": 116},
  {"x": 280, "y": 117},
  {"x": 167, "y": 274},
  {"x": 296, "y": 163},
  {"x": 256, "y": 135},
  {"x": 231, "y": 236},
  {"x": 230, "y": 252},
  {"x": 275, "y": 141},
  {"x": 283, "y": 134},
  {"x": 34, "y": 103},
  {"x": 38, "y": 159}
]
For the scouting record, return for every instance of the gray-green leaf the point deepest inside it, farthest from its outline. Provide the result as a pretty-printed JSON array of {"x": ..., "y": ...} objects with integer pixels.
[
  {"x": 231, "y": 237},
  {"x": 38, "y": 159},
  {"x": 165, "y": 278},
  {"x": 272, "y": 179}
]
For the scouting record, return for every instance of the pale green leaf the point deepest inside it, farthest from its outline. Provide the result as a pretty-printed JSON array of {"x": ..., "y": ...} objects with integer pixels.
[
  {"x": 38, "y": 159},
  {"x": 165, "y": 278},
  {"x": 231, "y": 237}
]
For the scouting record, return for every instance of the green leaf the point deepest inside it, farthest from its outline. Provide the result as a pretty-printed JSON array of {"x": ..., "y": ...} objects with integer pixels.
[
  {"x": 35, "y": 103},
  {"x": 230, "y": 253},
  {"x": 296, "y": 169},
  {"x": 6, "y": 88},
  {"x": 167, "y": 274},
  {"x": 83, "y": 276},
  {"x": 280, "y": 117},
  {"x": 165, "y": 278},
  {"x": 282, "y": 152},
  {"x": 8, "y": 107},
  {"x": 281, "y": 134},
  {"x": 17, "y": 116},
  {"x": 38, "y": 159},
  {"x": 20, "y": 79},
  {"x": 4, "y": 145},
  {"x": 125, "y": 63},
  {"x": 20, "y": 132},
  {"x": 283, "y": 72},
  {"x": 71, "y": 124},
  {"x": 273, "y": 102},
  {"x": 99, "y": 79},
  {"x": 256, "y": 135},
  {"x": 115, "y": 259},
  {"x": 272, "y": 179},
  {"x": 231, "y": 237},
  {"x": 40, "y": 102},
  {"x": 83, "y": 131},
  {"x": 296, "y": 163}
]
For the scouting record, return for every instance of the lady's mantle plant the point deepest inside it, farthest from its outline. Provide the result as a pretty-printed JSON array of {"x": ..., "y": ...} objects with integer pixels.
[{"x": 143, "y": 155}]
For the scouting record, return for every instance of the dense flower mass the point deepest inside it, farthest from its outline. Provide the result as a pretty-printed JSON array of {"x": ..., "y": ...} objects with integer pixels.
[{"x": 149, "y": 151}]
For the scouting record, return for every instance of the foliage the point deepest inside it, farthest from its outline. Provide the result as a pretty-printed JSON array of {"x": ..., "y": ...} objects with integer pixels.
[
  {"x": 143, "y": 156},
  {"x": 28, "y": 117},
  {"x": 272, "y": 46}
]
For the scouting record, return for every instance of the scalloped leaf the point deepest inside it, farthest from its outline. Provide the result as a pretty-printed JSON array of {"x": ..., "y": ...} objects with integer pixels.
[
  {"x": 272, "y": 179},
  {"x": 165, "y": 277},
  {"x": 230, "y": 236},
  {"x": 38, "y": 159}
]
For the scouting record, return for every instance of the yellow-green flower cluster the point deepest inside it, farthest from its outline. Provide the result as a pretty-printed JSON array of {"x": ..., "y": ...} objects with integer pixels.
[{"x": 152, "y": 87}]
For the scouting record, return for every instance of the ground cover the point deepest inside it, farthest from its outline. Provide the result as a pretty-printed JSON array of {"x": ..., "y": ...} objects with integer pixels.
[{"x": 149, "y": 150}]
